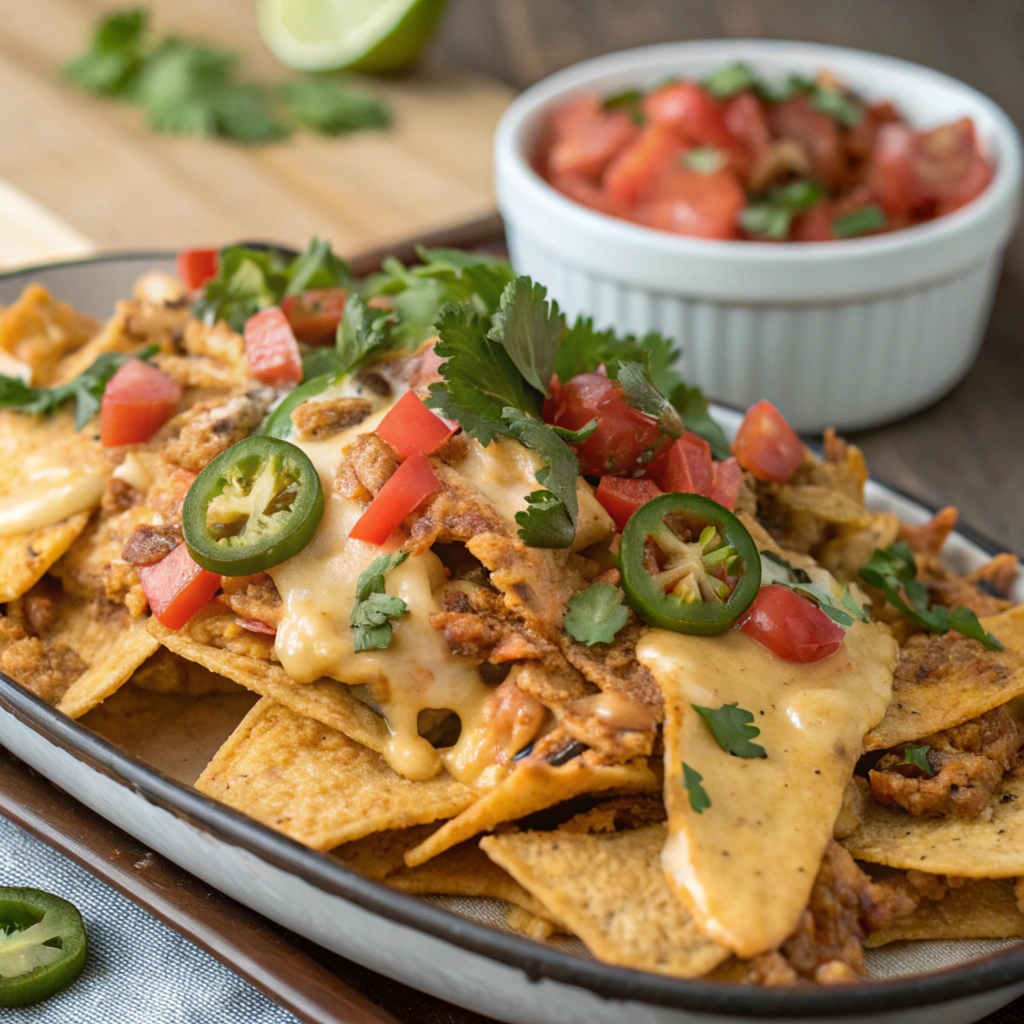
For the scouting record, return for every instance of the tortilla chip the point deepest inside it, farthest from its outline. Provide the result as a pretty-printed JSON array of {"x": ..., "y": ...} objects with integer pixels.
[
  {"x": 989, "y": 846},
  {"x": 981, "y": 909},
  {"x": 109, "y": 673},
  {"x": 381, "y": 854},
  {"x": 532, "y": 786},
  {"x": 326, "y": 701},
  {"x": 746, "y": 863},
  {"x": 610, "y": 890},
  {"x": 540, "y": 929},
  {"x": 25, "y": 557},
  {"x": 944, "y": 680},
  {"x": 318, "y": 786}
]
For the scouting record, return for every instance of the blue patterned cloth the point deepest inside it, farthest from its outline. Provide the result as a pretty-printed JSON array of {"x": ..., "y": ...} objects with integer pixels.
[{"x": 139, "y": 971}]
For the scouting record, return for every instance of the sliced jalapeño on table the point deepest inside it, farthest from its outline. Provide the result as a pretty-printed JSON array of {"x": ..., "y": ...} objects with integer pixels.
[
  {"x": 688, "y": 564},
  {"x": 252, "y": 507},
  {"x": 42, "y": 945}
]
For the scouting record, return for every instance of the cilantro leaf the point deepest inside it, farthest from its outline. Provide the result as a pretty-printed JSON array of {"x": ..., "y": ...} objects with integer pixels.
[
  {"x": 838, "y": 105},
  {"x": 860, "y": 222},
  {"x": 331, "y": 107},
  {"x": 699, "y": 799},
  {"x": 596, "y": 614},
  {"x": 364, "y": 334},
  {"x": 640, "y": 393},
  {"x": 771, "y": 215},
  {"x": 729, "y": 80},
  {"x": 530, "y": 328},
  {"x": 693, "y": 407},
  {"x": 576, "y": 436},
  {"x": 247, "y": 281},
  {"x": 317, "y": 267},
  {"x": 917, "y": 757},
  {"x": 373, "y": 610},
  {"x": 704, "y": 160},
  {"x": 546, "y": 523},
  {"x": 730, "y": 725},
  {"x": 110, "y": 66},
  {"x": 776, "y": 569},
  {"x": 625, "y": 98},
  {"x": 893, "y": 570},
  {"x": 243, "y": 113},
  {"x": 480, "y": 379},
  {"x": 585, "y": 348}
]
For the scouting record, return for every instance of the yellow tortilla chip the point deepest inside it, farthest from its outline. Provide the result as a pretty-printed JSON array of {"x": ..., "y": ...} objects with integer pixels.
[
  {"x": 942, "y": 681},
  {"x": 540, "y": 929},
  {"x": 531, "y": 787},
  {"x": 107, "y": 675},
  {"x": 989, "y": 846},
  {"x": 381, "y": 854},
  {"x": 316, "y": 785},
  {"x": 326, "y": 700},
  {"x": 25, "y": 558},
  {"x": 745, "y": 864},
  {"x": 981, "y": 909},
  {"x": 610, "y": 890}
]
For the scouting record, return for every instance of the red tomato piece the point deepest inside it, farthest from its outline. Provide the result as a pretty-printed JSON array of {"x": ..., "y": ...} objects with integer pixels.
[
  {"x": 621, "y": 496},
  {"x": 890, "y": 170},
  {"x": 410, "y": 427},
  {"x": 688, "y": 467},
  {"x": 766, "y": 444},
  {"x": 698, "y": 205},
  {"x": 975, "y": 180},
  {"x": 314, "y": 315},
  {"x": 587, "y": 192},
  {"x": 625, "y": 439},
  {"x": 197, "y": 266},
  {"x": 744, "y": 117},
  {"x": 411, "y": 484},
  {"x": 861, "y": 138},
  {"x": 790, "y": 626},
  {"x": 634, "y": 172},
  {"x": 426, "y": 370},
  {"x": 176, "y": 587},
  {"x": 727, "y": 480},
  {"x": 587, "y": 138},
  {"x": 816, "y": 224},
  {"x": 271, "y": 348},
  {"x": 817, "y": 134},
  {"x": 137, "y": 401},
  {"x": 942, "y": 158}
]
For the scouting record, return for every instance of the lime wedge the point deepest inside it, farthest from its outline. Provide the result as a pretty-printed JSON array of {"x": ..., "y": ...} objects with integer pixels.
[{"x": 355, "y": 35}]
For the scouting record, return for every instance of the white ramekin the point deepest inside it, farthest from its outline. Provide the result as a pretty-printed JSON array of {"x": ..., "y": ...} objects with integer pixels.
[{"x": 851, "y": 333}]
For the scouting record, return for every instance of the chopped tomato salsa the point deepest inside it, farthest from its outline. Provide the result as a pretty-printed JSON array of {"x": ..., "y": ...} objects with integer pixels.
[{"x": 719, "y": 158}]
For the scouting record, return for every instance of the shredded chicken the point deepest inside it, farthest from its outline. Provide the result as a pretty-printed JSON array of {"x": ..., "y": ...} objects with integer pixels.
[
  {"x": 315, "y": 421},
  {"x": 195, "y": 437}
]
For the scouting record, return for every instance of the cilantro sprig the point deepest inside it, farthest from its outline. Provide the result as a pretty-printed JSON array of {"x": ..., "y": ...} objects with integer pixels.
[
  {"x": 86, "y": 390},
  {"x": 894, "y": 572},
  {"x": 771, "y": 215},
  {"x": 188, "y": 87},
  {"x": 596, "y": 614},
  {"x": 777, "y": 570},
  {"x": 374, "y": 609},
  {"x": 699, "y": 799},
  {"x": 860, "y": 222},
  {"x": 731, "y": 726},
  {"x": 917, "y": 757}
]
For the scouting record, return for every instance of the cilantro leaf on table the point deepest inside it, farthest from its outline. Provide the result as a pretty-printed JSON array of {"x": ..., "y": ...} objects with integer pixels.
[
  {"x": 545, "y": 523},
  {"x": 111, "y": 64},
  {"x": 530, "y": 329},
  {"x": 917, "y": 757},
  {"x": 85, "y": 390},
  {"x": 777, "y": 570},
  {"x": 730, "y": 725},
  {"x": 596, "y": 614},
  {"x": 480, "y": 379},
  {"x": 894, "y": 572},
  {"x": 699, "y": 799},
  {"x": 332, "y": 107},
  {"x": 372, "y": 613}
]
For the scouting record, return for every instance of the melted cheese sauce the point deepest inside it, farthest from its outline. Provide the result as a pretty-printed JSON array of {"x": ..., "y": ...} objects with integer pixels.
[
  {"x": 50, "y": 485},
  {"x": 745, "y": 866}
]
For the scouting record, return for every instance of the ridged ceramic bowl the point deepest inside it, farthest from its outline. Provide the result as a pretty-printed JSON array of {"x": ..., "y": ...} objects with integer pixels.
[{"x": 850, "y": 333}]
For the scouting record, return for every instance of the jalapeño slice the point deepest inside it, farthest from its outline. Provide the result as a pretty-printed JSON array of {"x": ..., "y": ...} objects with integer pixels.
[
  {"x": 253, "y": 506},
  {"x": 708, "y": 569},
  {"x": 42, "y": 945}
]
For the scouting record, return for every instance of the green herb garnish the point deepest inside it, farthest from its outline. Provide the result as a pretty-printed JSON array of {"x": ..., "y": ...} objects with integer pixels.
[
  {"x": 730, "y": 80},
  {"x": 699, "y": 799},
  {"x": 771, "y": 216},
  {"x": 703, "y": 160},
  {"x": 370, "y": 618},
  {"x": 860, "y": 222},
  {"x": 596, "y": 614},
  {"x": 331, "y": 107},
  {"x": 776, "y": 569},
  {"x": 730, "y": 725},
  {"x": 917, "y": 757}
]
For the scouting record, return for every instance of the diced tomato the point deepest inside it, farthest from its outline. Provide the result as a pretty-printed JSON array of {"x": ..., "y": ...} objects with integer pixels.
[
  {"x": 176, "y": 587},
  {"x": 137, "y": 401},
  {"x": 727, "y": 480},
  {"x": 816, "y": 132},
  {"x": 634, "y": 172},
  {"x": 426, "y": 369},
  {"x": 587, "y": 138},
  {"x": 790, "y": 626},
  {"x": 411, "y": 484},
  {"x": 410, "y": 427},
  {"x": 816, "y": 224},
  {"x": 197, "y": 266},
  {"x": 271, "y": 348},
  {"x": 314, "y": 315},
  {"x": 621, "y": 496},
  {"x": 699, "y": 205},
  {"x": 688, "y": 468},
  {"x": 975, "y": 180},
  {"x": 625, "y": 439},
  {"x": 890, "y": 170},
  {"x": 861, "y": 138},
  {"x": 943, "y": 157},
  {"x": 745, "y": 119},
  {"x": 766, "y": 444},
  {"x": 587, "y": 192}
]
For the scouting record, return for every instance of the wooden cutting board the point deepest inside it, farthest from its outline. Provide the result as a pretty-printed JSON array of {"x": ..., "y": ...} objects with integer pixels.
[{"x": 78, "y": 173}]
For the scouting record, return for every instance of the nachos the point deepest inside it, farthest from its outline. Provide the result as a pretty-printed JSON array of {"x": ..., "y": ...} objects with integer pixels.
[{"x": 483, "y": 603}]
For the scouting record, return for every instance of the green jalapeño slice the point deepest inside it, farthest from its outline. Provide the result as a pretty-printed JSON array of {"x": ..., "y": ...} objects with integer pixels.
[
  {"x": 42, "y": 945},
  {"x": 253, "y": 506},
  {"x": 688, "y": 564}
]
